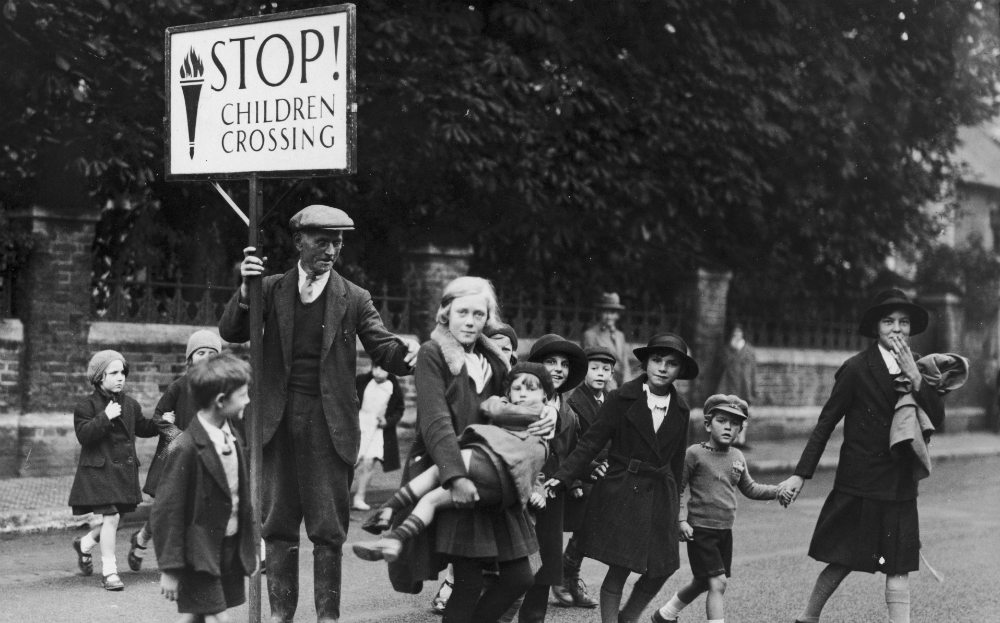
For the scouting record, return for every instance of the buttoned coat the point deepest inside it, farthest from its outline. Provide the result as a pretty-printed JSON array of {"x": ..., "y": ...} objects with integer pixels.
[
  {"x": 863, "y": 396},
  {"x": 350, "y": 315},
  {"x": 393, "y": 414},
  {"x": 179, "y": 400},
  {"x": 108, "y": 469},
  {"x": 586, "y": 406},
  {"x": 631, "y": 516},
  {"x": 193, "y": 506}
]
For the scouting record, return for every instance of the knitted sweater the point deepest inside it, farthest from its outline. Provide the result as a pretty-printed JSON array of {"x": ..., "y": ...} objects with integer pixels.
[{"x": 713, "y": 477}]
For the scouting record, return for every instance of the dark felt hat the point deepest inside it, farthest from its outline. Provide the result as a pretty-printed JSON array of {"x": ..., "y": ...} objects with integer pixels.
[
  {"x": 884, "y": 303},
  {"x": 536, "y": 369},
  {"x": 554, "y": 344},
  {"x": 610, "y": 301},
  {"x": 673, "y": 342},
  {"x": 730, "y": 404},
  {"x": 502, "y": 328},
  {"x": 600, "y": 353},
  {"x": 322, "y": 218}
]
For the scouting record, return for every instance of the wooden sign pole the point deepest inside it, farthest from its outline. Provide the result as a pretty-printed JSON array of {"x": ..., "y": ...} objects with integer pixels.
[{"x": 255, "y": 424}]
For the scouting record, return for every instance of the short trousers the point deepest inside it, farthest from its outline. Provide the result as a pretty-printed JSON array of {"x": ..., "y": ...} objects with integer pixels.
[
  {"x": 105, "y": 509},
  {"x": 204, "y": 593},
  {"x": 710, "y": 552}
]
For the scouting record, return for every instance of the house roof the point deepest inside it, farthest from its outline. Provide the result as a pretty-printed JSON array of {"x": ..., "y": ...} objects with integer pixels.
[{"x": 979, "y": 149}]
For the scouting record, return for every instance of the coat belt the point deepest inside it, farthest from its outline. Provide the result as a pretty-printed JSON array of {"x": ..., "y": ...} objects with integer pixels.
[{"x": 641, "y": 468}]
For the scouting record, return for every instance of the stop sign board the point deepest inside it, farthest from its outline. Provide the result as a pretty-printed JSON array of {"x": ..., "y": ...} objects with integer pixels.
[{"x": 270, "y": 95}]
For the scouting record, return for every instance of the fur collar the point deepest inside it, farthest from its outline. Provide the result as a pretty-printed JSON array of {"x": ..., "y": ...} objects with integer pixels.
[{"x": 454, "y": 353}]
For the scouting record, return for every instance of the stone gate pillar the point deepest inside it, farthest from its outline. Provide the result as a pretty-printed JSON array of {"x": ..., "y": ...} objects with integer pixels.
[
  {"x": 430, "y": 268},
  {"x": 711, "y": 295}
]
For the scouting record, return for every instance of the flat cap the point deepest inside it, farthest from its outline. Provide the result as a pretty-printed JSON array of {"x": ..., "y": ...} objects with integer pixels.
[
  {"x": 600, "y": 353},
  {"x": 320, "y": 217},
  {"x": 730, "y": 404}
]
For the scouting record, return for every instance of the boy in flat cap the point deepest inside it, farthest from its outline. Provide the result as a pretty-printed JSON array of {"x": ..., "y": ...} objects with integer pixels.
[
  {"x": 309, "y": 407},
  {"x": 713, "y": 471}
]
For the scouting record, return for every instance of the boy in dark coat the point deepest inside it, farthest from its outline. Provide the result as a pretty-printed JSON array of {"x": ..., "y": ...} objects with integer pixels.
[
  {"x": 869, "y": 522},
  {"x": 107, "y": 478},
  {"x": 202, "y": 519},
  {"x": 176, "y": 408},
  {"x": 585, "y": 401}
]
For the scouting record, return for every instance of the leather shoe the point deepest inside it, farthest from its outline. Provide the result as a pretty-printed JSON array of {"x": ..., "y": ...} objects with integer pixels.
[
  {"x": 134, "y": 562},
  {"x": 84, "y": 561},
  {"x": 578, "y": 590},
  {"x": 381, "y": 549},
  {"x": 658, "y": 618},
  {"x": 562, "y": 595},
  {"x": 378, "y": 522},
  {"x": 112, "y": 583}
]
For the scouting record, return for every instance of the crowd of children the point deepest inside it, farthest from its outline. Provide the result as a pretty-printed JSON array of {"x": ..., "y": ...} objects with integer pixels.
[{"x": 548, "y": 446}]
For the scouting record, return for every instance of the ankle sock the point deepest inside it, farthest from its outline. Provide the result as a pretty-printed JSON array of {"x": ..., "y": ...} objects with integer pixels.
[
  {"x": 673, "y": 608},
  {"x": 411, "y": 527},
  {"x": 87, "y": 543},
  {"x": 401, "y": 499},
  {"x": 899, "y": 605},
  {"x": 144, "y": 536}
]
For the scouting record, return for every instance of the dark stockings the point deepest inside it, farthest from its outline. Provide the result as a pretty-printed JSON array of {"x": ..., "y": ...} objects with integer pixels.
[{"x": 470, "y": 604}]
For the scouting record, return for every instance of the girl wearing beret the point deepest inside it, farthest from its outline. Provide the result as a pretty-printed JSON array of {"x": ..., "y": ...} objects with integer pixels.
[
  {"x": 869, "y": 521},
  {"x": 107, "y": 477},
  {"x": 631, "y": 519}
]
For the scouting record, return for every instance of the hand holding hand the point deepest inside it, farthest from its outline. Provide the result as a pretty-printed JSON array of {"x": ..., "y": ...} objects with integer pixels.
[
  {"x": 113, "y": 410},
  {"x": 599, "y": 471},
  {"x": 536, "y": 501},
  {"x": 576, "y": 492},
  {"x": 464, "y": 493},
  {"x": 169, "y": 416},
  {"x": 687, "y": 532},
  {"x": 252, "y": 266},
  {"x": 790, "y": 489},
  {"x": 553, "y": 486},
  {"x": 168, "y": 586}
]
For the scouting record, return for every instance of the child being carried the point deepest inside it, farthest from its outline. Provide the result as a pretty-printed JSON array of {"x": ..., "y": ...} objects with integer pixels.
[{"x": 503, "y": 460}]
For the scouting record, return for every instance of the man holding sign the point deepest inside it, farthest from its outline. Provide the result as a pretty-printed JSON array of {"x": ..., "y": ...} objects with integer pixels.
[{"x": 309, "y": 407}]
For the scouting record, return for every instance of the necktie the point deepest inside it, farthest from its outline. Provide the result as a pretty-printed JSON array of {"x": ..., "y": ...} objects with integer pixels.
[
  {"x": 228, "y": 448},
  {"x": 309, "y": 290}
]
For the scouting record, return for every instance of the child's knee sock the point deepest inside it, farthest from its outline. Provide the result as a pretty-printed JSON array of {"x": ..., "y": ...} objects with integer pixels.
[
  {"x": 401, "y": 499},
  {"x": 108, "y": 529},
  {"x": 827, "y": 582},
  {"x": 610, "y": 603},
  {"x": 899, "y": 605},
  {"x": 673, "y": 608},
  {"x": 411, "y": 527}
]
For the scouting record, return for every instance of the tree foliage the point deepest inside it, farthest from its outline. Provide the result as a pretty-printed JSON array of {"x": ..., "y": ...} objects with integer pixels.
[{"x": 578, "y": 145}]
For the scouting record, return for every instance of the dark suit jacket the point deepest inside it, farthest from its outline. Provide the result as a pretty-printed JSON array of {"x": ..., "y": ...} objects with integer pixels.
[
  {"x": 193, "y": 505},
  {"x": 393, "y": 414},
  {"x": 108, "y": 472},
  {"x": 349, "y": 314},
  {"x": 863, "y": 396}
]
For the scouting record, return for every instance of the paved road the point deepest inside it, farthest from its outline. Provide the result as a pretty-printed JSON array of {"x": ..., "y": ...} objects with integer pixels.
[{"x": 960, "y": 519}]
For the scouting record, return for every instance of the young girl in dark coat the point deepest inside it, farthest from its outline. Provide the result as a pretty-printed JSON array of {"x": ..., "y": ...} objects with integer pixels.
[
  {"x": 456, "y": 371},
  {"x": 631, "y": 522},
  {"x": 176, "y": 409},
  {"x": 869, "y": 522},
  {"x": 107, "y": 478}
]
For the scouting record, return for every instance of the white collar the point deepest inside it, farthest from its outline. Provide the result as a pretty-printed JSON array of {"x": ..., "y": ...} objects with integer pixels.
[
  {"x": 654, "y": 401},
  {"x": 219, "y": 436},
  {"x": 890, "y": 360},
  {"x": 304, "y": 276}
]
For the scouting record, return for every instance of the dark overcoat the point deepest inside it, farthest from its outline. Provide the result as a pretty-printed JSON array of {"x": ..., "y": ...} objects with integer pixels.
[
  {"x": 863, "y": 396},
  {"x": 350, "y": 315},
  {"x": 393, "y": 414},
  {"x": 631, "y": 518},
  {"x": 193, "y": 506},
  {"x": 108, "y": 471},
  {"x": 179, "y": 400},
  {"x": 447, "y": 402},
  {"x": 586, "y": 406}
]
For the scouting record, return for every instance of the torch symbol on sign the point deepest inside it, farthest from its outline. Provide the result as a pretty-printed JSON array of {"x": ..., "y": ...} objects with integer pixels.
[{"x": 191, "y": 81}]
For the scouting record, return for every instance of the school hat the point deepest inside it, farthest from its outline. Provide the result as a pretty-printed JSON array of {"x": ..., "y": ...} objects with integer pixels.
[
  {"x": 600, "y": 353},
  {"x": 320, "y": 217},
  {"x": 502, "y": 328},
  {"x": 551, "y": 344},
  {"x": 203, "y": 338},
  {"x": 730, "y": 404},
  {"x": 535, "y": 369},
  {"x": 100, "y": 362},
  {"x": 610, "y": 301},
  {"x": 884, "y": 303},
  {"x": 670, "y": 341}
]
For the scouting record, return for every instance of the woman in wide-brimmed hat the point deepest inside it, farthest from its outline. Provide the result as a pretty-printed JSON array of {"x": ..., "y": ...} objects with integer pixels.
[
  {"x": 630, "y": 522},
  {"x": 869, "y": 521}
]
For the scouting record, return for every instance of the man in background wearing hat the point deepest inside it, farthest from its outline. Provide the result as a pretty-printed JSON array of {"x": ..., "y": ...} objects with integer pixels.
[
  {"x": 606, "y": 334},
  {"x": 309, "y": 407}
]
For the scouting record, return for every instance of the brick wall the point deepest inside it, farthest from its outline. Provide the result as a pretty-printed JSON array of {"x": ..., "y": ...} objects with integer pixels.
[
  {"x": 11, "y": 352},
  {"x": 796, "y": 378}
]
